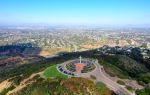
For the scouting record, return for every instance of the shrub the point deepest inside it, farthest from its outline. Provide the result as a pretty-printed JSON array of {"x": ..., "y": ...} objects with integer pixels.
[
  {"x": 129, "y": 88},
  {"x": 120, "y": 82},
  {"x": 93, "y": 77}
]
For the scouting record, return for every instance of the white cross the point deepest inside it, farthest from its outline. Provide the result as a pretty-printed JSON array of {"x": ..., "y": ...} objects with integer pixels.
[{"x": 80, "y": 59}]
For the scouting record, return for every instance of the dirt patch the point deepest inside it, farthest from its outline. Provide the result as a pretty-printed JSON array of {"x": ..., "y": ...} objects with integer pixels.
[
  {"x": 23, "y": 84},
  {"x": 44, "y": 53},
  {"x": 52, "y": 51},
  {"x": 4, "y": 84}
]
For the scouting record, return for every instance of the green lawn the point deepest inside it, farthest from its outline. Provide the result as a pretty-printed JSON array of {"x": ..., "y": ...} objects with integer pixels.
[{"x": 53, "y": 72}]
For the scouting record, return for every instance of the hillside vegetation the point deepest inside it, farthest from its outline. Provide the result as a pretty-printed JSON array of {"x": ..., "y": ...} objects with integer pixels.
[
  {"x": 119, "y": 63},
  {"x": 71, "y": 86}
]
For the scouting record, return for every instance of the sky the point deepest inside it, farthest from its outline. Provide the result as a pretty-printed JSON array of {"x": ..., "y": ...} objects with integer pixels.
[{"x": 112, "y": 12}]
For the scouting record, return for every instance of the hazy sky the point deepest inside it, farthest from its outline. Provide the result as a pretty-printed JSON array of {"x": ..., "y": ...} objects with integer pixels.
[{"x": 75, "y": 11}]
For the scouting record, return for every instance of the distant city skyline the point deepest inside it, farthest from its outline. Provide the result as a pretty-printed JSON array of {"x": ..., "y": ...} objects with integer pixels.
[{"x": 101, "y": 12}]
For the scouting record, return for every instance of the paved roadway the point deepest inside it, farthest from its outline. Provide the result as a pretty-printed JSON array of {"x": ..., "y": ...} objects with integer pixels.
[{"x": 100, "y": 76}]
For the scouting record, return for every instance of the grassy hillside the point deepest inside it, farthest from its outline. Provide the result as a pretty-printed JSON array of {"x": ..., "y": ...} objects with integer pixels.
[{"x": 124, "y": 67}]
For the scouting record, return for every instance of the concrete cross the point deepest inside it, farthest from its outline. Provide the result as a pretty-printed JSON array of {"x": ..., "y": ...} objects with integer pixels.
[{"x": 80, "y": 58}]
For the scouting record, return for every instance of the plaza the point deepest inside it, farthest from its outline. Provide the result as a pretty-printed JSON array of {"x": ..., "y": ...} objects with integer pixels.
[{"x": 77, "y": 66}]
